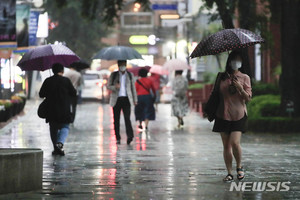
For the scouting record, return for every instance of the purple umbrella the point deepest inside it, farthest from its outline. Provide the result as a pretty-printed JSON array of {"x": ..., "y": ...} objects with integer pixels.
[
  {"x": 43, "y": 57},
  {"x": 225, "y": 40}
]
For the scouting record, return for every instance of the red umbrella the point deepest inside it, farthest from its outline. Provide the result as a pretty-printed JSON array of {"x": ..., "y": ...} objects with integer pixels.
[
  {"x": 157, "y": 69},
  {"x": 135, "y": 70},
  {"x": 225, "y": 40}
]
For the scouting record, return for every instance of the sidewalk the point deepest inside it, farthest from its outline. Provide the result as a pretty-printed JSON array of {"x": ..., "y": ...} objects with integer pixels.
[{"x": 165, "y": 163}]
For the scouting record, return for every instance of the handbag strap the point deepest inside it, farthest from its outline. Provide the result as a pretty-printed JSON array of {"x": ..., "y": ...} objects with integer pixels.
[{"x": 139, "y": 82}]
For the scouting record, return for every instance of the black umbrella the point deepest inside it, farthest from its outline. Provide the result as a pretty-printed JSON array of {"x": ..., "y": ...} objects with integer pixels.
[
  {"x": 118, "y": 53},
  {"x": 225, "y": 40},
  {"x": 80, "y": 65}
]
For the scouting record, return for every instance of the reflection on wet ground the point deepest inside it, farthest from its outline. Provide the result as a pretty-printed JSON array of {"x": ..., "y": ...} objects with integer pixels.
[{"x": 164, "y": 163}]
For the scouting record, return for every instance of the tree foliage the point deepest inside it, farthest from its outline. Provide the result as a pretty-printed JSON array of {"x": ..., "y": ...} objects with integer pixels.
[
  {"x": 108, "y": 9},
  {"x": 81, "y": 35}
]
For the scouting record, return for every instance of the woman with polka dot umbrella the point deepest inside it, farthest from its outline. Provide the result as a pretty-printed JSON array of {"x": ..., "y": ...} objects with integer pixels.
[{"x": 226, "y": 40}]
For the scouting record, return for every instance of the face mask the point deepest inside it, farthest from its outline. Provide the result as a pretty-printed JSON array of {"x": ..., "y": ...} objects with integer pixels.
[
  {"x": 235, "y": 65},
  {"x": 122, "y": 68}
]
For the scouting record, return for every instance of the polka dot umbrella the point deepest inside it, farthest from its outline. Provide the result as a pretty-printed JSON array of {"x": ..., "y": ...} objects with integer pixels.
[{"x": 226, "y": 40}]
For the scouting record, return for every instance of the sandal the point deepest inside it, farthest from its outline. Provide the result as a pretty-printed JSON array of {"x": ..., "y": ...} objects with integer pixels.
[
  {"x": 240, "y": 173},
  {"x": 228, "y": 178}
]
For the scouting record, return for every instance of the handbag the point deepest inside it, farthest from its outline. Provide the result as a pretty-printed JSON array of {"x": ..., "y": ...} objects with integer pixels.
[
  {"x": 42, "y": 109},
  {"x": 211, "y": 106}
]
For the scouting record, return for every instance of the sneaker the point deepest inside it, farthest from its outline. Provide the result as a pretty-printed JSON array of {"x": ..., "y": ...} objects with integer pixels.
[
  {"x": 60, "y": 149},
  {"x": 55, "y": 152}
]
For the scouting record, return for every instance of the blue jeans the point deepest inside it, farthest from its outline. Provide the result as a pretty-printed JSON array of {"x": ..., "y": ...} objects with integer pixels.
[{"x": 58, "y": 132}]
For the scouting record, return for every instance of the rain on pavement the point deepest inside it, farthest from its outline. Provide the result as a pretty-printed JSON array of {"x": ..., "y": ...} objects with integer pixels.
[{"x": 165, "y": 163}]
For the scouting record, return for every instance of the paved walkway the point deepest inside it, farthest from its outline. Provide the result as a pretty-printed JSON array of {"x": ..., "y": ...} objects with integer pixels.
[{"x": 165, "y": 163}]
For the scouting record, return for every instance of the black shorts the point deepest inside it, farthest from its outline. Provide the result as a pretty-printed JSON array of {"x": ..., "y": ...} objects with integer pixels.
[{"x": 226, "y": 126}]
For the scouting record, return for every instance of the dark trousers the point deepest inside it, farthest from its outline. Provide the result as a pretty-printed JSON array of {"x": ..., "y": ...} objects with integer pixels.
[{"x": 122, "y": 104}]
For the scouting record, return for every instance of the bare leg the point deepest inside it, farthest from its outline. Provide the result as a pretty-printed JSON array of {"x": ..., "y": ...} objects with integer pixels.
[
  {"x": 235, "y": 138},
  {"x": 227, "y": 152},
  {"x": 179, "y": 120},
  {"x": 146, "y": 123}
]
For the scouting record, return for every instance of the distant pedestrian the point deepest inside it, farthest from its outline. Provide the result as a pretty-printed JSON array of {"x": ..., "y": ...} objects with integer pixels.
[
  {"x": 231, "y": 116},
  {"x": 123, "y": 96},
  {"x": 179, "y": 100},
  {"x": 58, "y": 91},
  {"x": 155, "y": 78},
  {"x": 144, "y": 110},
  {"x": 76, "y": 79}
]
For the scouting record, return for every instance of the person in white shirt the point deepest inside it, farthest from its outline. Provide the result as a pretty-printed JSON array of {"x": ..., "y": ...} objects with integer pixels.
[
  {"x": 123, "y": 96},
  {"x": 75, "y": 78}
]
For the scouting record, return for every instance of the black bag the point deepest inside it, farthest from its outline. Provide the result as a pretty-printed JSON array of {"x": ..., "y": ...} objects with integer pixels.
[
  {"x": 42, "y": 110},
  {"x": 211, "y": 106}
]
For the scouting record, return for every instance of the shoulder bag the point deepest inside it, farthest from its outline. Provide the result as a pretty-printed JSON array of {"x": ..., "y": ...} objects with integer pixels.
[
  {"x": 211, "y": 106},
  {"x": 42, "y": 110}
]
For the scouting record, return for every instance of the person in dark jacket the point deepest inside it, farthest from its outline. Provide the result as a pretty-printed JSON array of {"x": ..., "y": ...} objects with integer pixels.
[{"x": 58, "y": 91}]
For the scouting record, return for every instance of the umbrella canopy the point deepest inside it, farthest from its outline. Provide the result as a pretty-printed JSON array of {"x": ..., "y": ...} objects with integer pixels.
[
  {"x": 80, "y": 65},
  {"x": 43, "y": 57},
  {"x": 115, "y": 67},
  {"x": 225, "y": 40},
  {"x": 118, "y": 53},
  {"x": 135, "y": 70},
  {"x": 157, "y": 69},
  {"x": 176, "y": 64}
]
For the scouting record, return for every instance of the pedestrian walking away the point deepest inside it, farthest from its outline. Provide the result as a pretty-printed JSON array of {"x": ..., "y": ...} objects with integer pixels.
[
  {"x": 58, "y": 91},
  {"x": 179, "y": 100},
  {"x": 144, "y": 110},
  {"x": 155, "y": 78},
  {"x": 123, "y": 96},
  {"x": 231, "y": 115},
  {"x": 76, "y": 79}
]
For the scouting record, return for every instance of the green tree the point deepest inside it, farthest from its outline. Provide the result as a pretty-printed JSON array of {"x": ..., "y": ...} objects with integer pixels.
[
  {"x": 108, "y": 9},
  {"x": 81, "y": 35},
  {"x": 226, "y": 12}
]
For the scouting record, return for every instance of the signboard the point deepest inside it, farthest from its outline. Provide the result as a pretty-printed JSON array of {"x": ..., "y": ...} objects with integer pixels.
[
  {"x": 8, "y": 24},
  {"x": 23, "y": 13},
  {"x": 33, "y": 27},
  {"x": 164, "y": 7},
  {"x": 138, "y": 39}
]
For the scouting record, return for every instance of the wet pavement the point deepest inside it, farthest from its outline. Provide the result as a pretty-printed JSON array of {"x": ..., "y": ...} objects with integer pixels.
[{"x": 165, "y": 163}]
